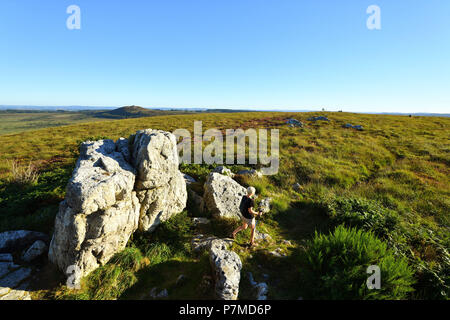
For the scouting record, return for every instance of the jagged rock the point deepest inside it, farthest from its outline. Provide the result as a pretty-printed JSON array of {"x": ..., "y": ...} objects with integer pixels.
[
  {"x": 350, "y": 126},
  {"x": 201, "y": 242},
  {"x": 262, "y": 236},
  {"x": 278, "y": 253},
  {"x": 222, "y": 196},
  {"x": 251, "y": 172},
  {"x": 11, "y": 241},
  {"x": 155, "y": 157},
  {"x": 200, "y": 220},
  {"x": 294, "y": 123},
  {"x": 322, "y": 118},
  {"x": 89, "y": 241},
  {"x": 224, "y": 170},
  {"x": 264, "y": 205},
  {"x": 37, "y": 249},
  {"x": 160, "y": 204},
  {"x": 16, "y": 295},
  {"x": 226, "y": 267},
  {"x": 160, "y": 186},
  {"x": 115, "y": 189},
  {"x": 101, "y": 178},
  {"x": 100, "y": 211}
]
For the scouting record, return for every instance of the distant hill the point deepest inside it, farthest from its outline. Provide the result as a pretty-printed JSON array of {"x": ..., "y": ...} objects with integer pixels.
[{"x": 135, "y": 112}]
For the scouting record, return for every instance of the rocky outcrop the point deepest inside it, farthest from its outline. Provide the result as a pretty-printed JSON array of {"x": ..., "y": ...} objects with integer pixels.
[
  {"x": 160, "y": 186},
  {"x": 224, "y": 170},
  {"x": 100, "y": 211},
  {"x": 320, "y": 118},
  {"x": 357, "y": 127},
  {"x": 20, "y": 239},
  {"x": 251, "y": 173},
  {"x": 16, "y": 273},
  {"x": 116, "y": 188},
  {"x": 13, "y": 279},
  {"x": 36, "y": 250},
  {"x": 294, "y": 123},
  {"x": 264, "y": 205},
  {"x": 226, "y": 266},
  {"x": 222, "y": 196}
]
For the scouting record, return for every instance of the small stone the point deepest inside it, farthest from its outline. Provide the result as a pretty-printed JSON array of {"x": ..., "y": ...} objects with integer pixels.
[
  {"x": 224, "y": 170},
  {"x": 6, "y": 257},
  {"x": 262, "y": 236},
  {"x": 294, "y": 123},
  {"x": 251, "y": 172},
  {"x": 199, "y": 220},
  {"x": 37, "y": 249},
  {"x": 264, "y": 205},
  {"x": 163, "y": 294},
  {"x": 181, "y": 279}
]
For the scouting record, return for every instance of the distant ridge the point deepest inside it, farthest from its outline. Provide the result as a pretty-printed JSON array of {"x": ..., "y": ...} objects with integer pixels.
[{"x": 134, "y": 111}]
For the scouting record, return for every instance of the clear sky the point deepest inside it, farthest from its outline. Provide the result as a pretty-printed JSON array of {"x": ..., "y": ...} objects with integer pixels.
[{"x": 265, "y": 54}]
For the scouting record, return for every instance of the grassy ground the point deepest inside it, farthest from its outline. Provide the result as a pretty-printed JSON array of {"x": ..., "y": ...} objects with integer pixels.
[
  {"x": 397, "y": 165},
  {"x": 13, "y": 122}
]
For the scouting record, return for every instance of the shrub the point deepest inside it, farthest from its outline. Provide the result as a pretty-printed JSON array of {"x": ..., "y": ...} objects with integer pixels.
[
  {"x": 362, "y": 213},
  {"x": 334, "y": 267},
  {"x": 23, "y": 175}
]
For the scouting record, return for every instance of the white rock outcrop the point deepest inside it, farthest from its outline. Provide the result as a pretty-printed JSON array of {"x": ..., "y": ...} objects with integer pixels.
[
  {"x": 160, "y": 186},
  {"x": 222, "y": 196},
  {"x": 116, "y": 188},
  {"x": 226, "y": 266}
]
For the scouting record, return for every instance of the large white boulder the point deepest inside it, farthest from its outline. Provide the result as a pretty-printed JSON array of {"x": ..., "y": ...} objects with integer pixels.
[
  {"x": 115, "y": 189},
  {"x": 160, "y": 204},
  {"x": 160, "y": 186},
  {"x": 155, "y": 157},
  {"x": 100, "y": 211},
  {"x": 222, "y": 196}
]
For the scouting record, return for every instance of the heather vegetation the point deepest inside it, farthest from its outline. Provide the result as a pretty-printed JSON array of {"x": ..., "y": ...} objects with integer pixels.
[{"x": 380, "y": 196}]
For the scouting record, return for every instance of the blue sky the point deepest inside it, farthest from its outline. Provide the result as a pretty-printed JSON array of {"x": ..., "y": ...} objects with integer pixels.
[{"x": 265, "y": 54}]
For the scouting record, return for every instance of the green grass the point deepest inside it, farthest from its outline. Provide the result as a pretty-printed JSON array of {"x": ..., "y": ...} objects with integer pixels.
[
  {"x": 393, "y": 178},
  {"x": 13, "y": 122}
]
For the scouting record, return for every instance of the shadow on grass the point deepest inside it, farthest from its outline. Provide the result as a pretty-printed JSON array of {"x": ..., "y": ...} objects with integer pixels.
[
  {"x": 301, "y": 220},
  {"x": 164, "y": 275},
  {"x": 282, "y": 275}
]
